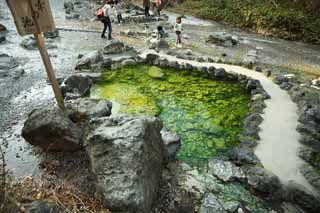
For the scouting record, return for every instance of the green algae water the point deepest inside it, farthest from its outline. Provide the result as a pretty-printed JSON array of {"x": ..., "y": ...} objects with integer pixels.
[{"x": 206, "y": 114}]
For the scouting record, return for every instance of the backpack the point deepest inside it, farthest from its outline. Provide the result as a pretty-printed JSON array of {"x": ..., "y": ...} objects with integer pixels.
[{"x": 101, "y": 12}]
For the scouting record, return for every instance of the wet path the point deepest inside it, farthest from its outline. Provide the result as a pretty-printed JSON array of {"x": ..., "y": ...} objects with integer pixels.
[{"x": 278, "y": 146}]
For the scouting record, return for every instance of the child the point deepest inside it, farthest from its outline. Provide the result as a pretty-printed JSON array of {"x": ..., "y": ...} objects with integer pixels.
[
  {"x": 178, "y": 30},
  {"x": 161, "y": 32},
  {"x": 118, "y": 11}
]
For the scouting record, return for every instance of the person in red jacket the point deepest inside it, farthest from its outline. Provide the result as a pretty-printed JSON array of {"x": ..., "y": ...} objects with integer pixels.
[{"x": 158, "y": 3}]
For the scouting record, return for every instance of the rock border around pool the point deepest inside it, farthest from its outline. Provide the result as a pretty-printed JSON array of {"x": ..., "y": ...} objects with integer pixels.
[{"x": 239, "y": 166}]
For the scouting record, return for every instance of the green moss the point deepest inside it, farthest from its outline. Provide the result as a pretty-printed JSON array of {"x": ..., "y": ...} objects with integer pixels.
[{"x": 206, "y": 114}]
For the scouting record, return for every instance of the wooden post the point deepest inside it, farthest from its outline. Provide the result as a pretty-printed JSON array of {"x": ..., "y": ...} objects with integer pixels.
[{"x": 47, "y": 63}]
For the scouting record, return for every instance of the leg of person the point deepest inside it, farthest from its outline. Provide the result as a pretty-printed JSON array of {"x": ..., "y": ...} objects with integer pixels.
[
  {"x": 121, "y": 17},
  {"x": 105, "y": 26},
  {"x": 146, "y": 11},
  {"x": 159, "y": 10},
  {"x": 110, "y": 30},
  {"x": 118, "y": 16},
  {"x": 179, "y": 38}
]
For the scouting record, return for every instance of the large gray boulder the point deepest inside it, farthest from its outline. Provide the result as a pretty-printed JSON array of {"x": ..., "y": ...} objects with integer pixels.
[
  {"x": 87, "y": 109},
  {"x": 90, "y": 61},
  {"x": 76, "y": 84},
  {"x": 126, "y": 155},
  {"x": 222, "y": 39},
  {"x": 115, "y": 47},
  {"x": 52, "y": 130},
  {"x": 225, "y": 170}
]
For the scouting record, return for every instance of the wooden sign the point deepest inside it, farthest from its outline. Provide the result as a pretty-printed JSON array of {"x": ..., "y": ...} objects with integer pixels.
[
  {"x": 35, "y": 17},
  {"x": 32, "y": 16}
]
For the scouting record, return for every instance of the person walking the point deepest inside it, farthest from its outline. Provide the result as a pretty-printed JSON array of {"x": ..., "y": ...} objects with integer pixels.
[
  {"x": 118, "y": 10},
  {"x": 178, "y": 31},
  {"x": 104, "y": 17},
  {"x": 146, "y": 4},
  {"x": 158, "y": 4}
]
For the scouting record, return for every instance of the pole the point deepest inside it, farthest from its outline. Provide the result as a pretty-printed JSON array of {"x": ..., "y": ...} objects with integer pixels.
[{"x": 47, "y": 63}]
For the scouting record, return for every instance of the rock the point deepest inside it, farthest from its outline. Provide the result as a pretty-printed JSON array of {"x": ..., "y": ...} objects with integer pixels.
[
  {"x": 310, "y": 141},
  {"x": 311, "y": 128},
  {"x": 90, "y": 60},
  {"x": 94, "y": 77},
  {"x": 128, "y": 62},
  {"x": 258, "y": 69},
  {"x": 268, "y": 73},
  {"x": 119, "y": 59},
  {"x": 68, "y": 5},
  {"x": 115, "y": 47},
  {"x": 264, "y": 181},
  {"x": 211, "y": 204},
  {"x": 252, "y": 84},
  {"x": 311, "y": 156},
  {"x": 77, "y": 84},
  {"x": 171, "y": 142},
  {"x": 2, "y": 28},
  {"x": 162, "y": 44},
  {"x": 316, "y": 82},
  {"x": 225, "y": 170},
  {"x": 52, "y": 130},
  {"x": 42, "y": 207},
  {"x": 151, "y": 58},
  {"x": 188, "y": 66},
  {"x": 52, "y": 35},
  {"x": 173, "y": 64},
  {"x": 29, "y": 43},
  {"x": 222, "y": 39},
  {"x": 155, "y": 72},
  {"x": 89, "y": 109},
  {"x": 251, "y": 125},
  {"x": 7, "y": 62},
  {"x": 241, "y": 156},
  {"x": 2, "y": 38},
  {"x": 220, "y": 73},
  {"x": 231, "y": 206},
  {"x": 126, "y": 155},
  {"x": 312, "y": 175},
  {"x": 300, "y": 196},
  {"x": 73, "y": 16},
  {"x": 250, "y": 58}
]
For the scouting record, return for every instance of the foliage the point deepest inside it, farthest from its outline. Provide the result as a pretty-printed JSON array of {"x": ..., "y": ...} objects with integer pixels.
[
  {"x": 206, "y": 114},
  {"x": 288, "y": 20}
]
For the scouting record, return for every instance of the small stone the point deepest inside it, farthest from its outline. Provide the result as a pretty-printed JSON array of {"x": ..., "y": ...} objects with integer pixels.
[
  {"x": 225, "y": 170},
  {"x": 258, "y": 69},
  {"x": 211, "y": 205},
  {"x": 155, "y": 72}
]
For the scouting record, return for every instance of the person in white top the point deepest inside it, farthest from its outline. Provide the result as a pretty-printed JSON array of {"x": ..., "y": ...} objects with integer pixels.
[
  {"x": 106, "y": 20},
  {"x": 118, "y": 10},
  {"x": 178, "y": 30}
]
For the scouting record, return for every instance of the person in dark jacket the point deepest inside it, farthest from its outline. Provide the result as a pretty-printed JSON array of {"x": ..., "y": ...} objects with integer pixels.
[{"x": 146, "y": 4}]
